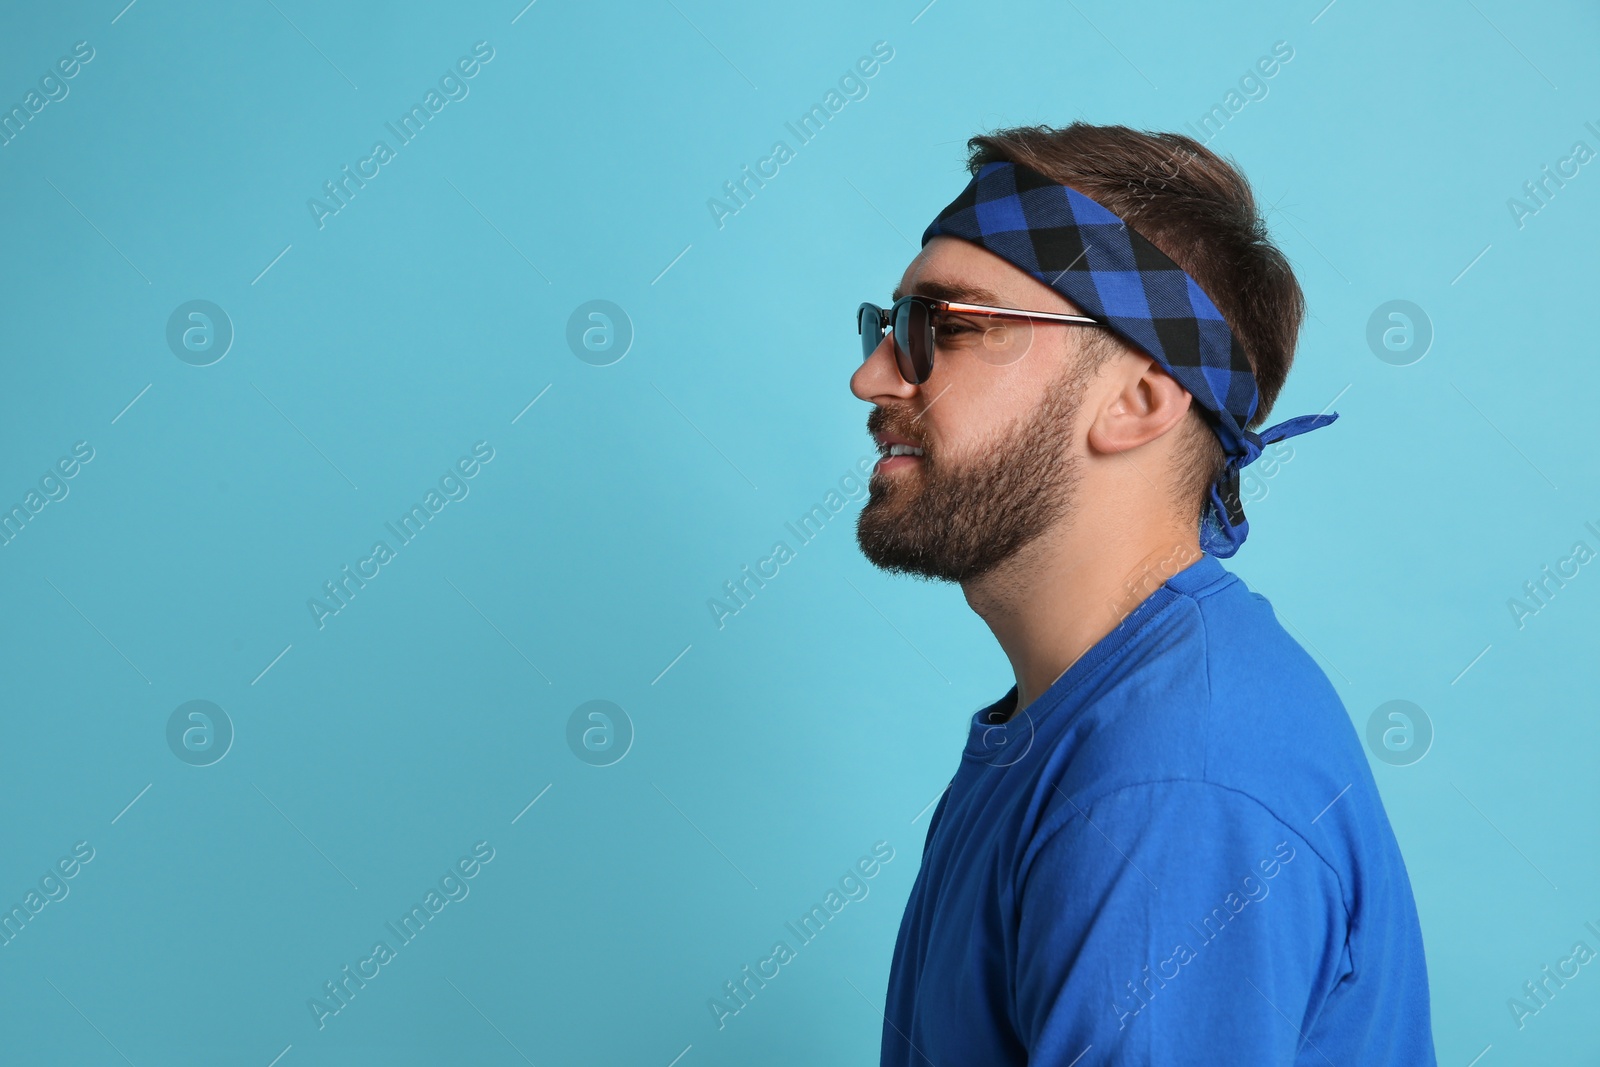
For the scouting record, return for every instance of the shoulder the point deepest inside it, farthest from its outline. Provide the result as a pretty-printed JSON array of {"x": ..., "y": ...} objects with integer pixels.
[
  {"x": 1206, "y": 688},
  {"x": 1215, "y": 704}
]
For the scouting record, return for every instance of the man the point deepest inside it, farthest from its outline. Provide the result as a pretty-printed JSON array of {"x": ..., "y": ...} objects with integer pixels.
[{"x": 1164, "y": 844}]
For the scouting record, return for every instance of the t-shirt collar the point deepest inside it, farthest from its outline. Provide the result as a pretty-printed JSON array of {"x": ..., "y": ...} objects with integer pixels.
[{"x": 1004, "y": 743}]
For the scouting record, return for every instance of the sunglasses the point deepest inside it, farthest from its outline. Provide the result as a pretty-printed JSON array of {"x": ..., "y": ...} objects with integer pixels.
[{"x": 917, "y": 321}]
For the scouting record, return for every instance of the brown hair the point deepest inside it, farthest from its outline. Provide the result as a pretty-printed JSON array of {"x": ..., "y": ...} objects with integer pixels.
[{"x": 1198, "y": 209}]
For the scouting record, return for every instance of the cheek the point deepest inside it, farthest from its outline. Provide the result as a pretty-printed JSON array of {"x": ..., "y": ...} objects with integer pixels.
[
  {"x": 1007, "y": 396},
  {"x": 957, "y": 433}
]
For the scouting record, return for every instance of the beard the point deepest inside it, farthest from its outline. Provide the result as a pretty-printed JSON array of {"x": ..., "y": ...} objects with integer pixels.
[{"x": 957, "y": 520}]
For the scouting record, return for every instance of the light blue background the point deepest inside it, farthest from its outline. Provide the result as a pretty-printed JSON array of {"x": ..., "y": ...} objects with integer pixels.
[{"x": 826, "y": 715}]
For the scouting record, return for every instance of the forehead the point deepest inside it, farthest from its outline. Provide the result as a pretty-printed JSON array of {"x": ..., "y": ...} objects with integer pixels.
[{"x": 950, "y": 268}]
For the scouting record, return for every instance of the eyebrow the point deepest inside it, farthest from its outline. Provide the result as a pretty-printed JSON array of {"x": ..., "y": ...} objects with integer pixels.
[{"x": 953, "y": 291}]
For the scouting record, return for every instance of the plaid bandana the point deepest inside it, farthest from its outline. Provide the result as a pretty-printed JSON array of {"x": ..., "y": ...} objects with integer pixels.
[{"x": 1089, "y": 255}]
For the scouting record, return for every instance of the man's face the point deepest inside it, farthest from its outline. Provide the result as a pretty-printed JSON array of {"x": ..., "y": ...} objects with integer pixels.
[{"x": 994, "y": 421}]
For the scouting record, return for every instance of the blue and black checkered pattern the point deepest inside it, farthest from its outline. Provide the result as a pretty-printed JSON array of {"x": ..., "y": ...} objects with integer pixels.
[{"x": 1090, "y": 256}]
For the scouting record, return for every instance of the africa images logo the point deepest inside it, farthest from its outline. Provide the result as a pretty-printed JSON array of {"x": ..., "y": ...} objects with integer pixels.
[
  {"x": 1252, "y": 890},
  {"x": 407, "y": 128},
  {"x": 852, "y": 886},
  {"x": 453, "y": 487},
  {"x": 453, "y": 886}
]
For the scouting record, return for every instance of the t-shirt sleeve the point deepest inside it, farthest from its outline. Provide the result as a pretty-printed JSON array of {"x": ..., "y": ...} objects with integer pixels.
[{"x": 1173, "y": 923}]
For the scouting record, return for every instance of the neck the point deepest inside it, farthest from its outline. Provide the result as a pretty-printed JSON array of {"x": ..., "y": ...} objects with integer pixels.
[{"x": 1059, "y": 595}]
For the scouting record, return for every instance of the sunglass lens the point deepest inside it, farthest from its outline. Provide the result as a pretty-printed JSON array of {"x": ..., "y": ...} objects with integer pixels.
[{"x": 913, "y": 341}]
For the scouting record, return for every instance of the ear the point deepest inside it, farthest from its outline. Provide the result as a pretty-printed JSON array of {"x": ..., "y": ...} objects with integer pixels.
[{"x": 1145, "y": 402}]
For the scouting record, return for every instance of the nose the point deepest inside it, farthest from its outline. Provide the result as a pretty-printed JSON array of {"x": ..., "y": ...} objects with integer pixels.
[{"x": 879, "y": 376}]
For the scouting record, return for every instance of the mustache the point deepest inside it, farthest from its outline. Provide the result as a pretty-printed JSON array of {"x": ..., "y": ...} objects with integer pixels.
[{"x": 896, "y": 421}]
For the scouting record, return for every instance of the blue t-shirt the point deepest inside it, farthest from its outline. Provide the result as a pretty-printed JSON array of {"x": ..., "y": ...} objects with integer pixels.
[{"x": 1176, "y": 855}]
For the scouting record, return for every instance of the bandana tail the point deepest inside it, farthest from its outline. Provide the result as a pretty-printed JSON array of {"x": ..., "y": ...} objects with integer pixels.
[{"x": 1223, "y": 527}]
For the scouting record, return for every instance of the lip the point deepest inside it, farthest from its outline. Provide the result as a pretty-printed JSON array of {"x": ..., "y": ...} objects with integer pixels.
[
  {"x": 892, "y": 463},
  {"x": 886, "y": 462},
  {"x": 886, "y": 439}
]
